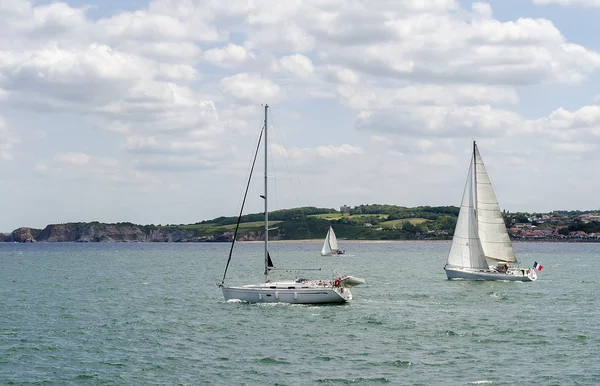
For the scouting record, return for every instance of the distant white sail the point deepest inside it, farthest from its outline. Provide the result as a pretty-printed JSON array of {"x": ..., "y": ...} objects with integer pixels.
[
  {"x": 332, "y": 239},
  {"x": 466, "y": 251},
  {"x": 494, "y": 237},
  {"x": 330, "y": 245},
  {"x": 326, "y": 250}
]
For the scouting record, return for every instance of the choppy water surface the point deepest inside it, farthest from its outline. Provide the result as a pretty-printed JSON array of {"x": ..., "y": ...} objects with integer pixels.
[{"x": 152, "y": 314}]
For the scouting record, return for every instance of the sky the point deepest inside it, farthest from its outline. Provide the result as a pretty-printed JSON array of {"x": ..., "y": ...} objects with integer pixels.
[{"x": 149, "y": 111}]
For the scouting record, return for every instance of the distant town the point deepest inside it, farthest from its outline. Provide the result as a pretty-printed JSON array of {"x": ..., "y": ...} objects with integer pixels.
[{"x": 568, "y": 226}]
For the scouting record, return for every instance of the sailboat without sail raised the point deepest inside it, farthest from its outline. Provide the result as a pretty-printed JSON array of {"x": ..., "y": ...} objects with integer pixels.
[{"x": 300, "y": 291}]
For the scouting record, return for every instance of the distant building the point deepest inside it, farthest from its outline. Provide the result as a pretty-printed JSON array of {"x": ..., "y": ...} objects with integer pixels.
[
  {"x": 514, "y": 230},
  {"x": 523, "y": 225},
  {"x": 587, "y": 217}
]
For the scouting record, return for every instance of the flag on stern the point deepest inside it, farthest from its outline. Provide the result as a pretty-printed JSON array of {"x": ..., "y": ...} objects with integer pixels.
[{"x": 537, "y": 266}]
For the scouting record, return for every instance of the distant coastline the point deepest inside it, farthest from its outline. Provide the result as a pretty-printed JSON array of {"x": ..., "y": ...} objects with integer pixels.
[
  {"x": 125, "y": 232},
  {"x": 363, "y": 223}
]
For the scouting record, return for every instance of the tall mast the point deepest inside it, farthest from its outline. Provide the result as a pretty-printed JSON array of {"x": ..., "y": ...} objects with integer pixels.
[
  {"x": 475, "y": 186},
  {"x": 266, "y": 207}
]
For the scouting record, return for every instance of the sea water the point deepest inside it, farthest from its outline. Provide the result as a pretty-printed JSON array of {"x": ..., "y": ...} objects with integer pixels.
[{"x": 152, "y": 314}]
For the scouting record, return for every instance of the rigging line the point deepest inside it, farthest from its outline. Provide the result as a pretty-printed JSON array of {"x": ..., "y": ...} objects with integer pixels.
[
  {"x": 290, "y": 176},
  {"x": 237, "y": 225}
]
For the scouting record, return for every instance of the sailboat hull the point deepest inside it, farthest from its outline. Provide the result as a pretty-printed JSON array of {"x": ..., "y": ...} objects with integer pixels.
[
  {"x": 264, "y": 293},
  {"x": 514, "y": 274},
  {"x": 333, "y": 253}
]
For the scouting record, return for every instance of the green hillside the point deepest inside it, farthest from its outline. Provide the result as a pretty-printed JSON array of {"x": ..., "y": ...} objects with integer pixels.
[{"x": 364, "y": 222}]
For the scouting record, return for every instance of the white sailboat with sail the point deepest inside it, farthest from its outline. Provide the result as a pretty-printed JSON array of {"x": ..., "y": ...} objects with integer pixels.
[
  {"x": 330, "y": 246},
  {"x": 480, "y": 234},
  {"x": 299, "y": 290}
]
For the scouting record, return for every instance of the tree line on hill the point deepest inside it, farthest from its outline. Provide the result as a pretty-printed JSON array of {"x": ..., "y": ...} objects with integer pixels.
[{"x": 362, "y": 222}]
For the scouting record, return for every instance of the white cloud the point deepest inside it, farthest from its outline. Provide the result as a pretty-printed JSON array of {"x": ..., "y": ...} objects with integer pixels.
[
  {"x": 77, "y": 159},
  {"x": 163, "y": 51},
  {"x": 250, "y": 88},
  {"x": 361, "y": 90},
  {"x": 6, "y": 141},
  {"x": 424, "y": 47},
  {"x": 338, "y": 74},
  {"x": 164, "y": 145},
  {"x": 96, "y": 74},
  {"x": 437, "y": 129},
  {"x": 46, "y": 20},
  {"x": 337, "y": 151},
  {"x": 569, "y": 126},
  {"x": 483, "y": 10},
  {"x": 297, "y": 65},
  {"x": 441, "y": 121},
  {"x": 378, "y": 98},
  {"x": 290, "y": 37},
  {"x": 89, "y": 168},
  {"x": 143, "y": 25},
  {"x": 438, "y": 159},
  {"x": 231, "y": 55}
]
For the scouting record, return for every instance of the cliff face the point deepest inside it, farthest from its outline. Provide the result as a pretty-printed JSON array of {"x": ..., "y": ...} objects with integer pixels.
[
  {"x": 91, "y": 233},
  {"x": 23, "y": 235},
  {"x": 98, "y": 232}
]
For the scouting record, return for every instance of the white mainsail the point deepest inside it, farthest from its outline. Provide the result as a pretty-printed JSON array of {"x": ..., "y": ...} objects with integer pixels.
[
  {"x": 330, "y": 243},
  {"x": 466, "y": 251},
  {"x": 494, "y": 237}
]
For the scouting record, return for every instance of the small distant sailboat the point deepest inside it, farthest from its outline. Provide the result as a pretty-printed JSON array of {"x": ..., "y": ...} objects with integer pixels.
[
  {"x": 481, "y": 234},
  {"x": 297, "y": 291},
  {"x": 330, "y": 246}
]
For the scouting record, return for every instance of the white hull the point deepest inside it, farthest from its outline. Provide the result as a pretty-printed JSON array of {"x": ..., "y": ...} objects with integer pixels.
[
  {"x": 288, "y": 292},
  {"x": 513, "y": 274},
  {"x": 332, "y": 253}
]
